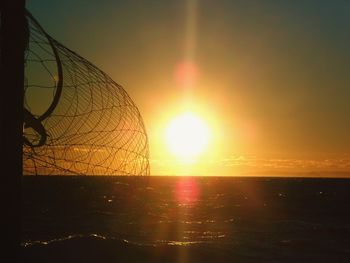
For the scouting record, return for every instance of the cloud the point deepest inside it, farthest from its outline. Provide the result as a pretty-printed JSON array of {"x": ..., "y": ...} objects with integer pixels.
[
  {"x": 258, "y": 165},
  {"x": 252, "y": 165}
]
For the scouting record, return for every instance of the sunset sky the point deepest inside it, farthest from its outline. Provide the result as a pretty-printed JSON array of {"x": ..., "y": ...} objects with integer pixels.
[{"x": 269, "y": 79}]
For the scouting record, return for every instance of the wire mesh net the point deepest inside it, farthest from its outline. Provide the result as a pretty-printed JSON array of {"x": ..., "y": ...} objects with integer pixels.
[{"x": 77, "y": 120}]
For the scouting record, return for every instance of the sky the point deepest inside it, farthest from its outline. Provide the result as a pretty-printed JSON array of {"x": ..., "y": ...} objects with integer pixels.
[{"x": 270, "y": 78}]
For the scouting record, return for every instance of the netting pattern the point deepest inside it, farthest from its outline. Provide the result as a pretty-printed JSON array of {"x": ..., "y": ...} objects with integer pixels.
[{"x": 77, "y": 120}]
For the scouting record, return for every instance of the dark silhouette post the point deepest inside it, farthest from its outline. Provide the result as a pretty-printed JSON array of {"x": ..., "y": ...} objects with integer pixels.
[{"x": 13, "y": 38}]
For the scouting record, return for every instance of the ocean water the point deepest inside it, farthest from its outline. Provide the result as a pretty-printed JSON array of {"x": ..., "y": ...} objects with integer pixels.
[{"x": 185, "y": 219}]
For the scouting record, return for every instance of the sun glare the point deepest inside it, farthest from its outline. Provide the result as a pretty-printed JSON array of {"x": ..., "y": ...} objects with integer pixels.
[{"x": 187, "y": 136}]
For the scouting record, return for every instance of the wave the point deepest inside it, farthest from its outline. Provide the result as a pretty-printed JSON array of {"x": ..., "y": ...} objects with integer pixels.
[
  {"x": 78, "y": 237},
  {"x": 95, "y": 248},
  {"x": 97, "y": 237},
  {"x": 98, "y": 248}
]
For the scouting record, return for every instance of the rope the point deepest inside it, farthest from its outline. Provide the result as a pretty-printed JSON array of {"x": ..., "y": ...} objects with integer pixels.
[{"x": 92, "y": 126}]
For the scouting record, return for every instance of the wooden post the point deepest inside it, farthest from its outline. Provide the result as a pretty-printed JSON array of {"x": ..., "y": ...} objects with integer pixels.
[{"x": 13, "y": 38}]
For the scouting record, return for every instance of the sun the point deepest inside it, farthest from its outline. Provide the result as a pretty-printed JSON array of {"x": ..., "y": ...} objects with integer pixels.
[{"x": 187, "y": 136}]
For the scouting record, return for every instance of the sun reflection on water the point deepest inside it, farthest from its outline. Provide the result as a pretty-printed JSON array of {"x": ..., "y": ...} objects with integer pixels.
[{"x": 187, "y": 191}]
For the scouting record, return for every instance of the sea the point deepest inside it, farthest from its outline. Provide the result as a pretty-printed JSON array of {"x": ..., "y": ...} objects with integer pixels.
[{"x": 185, "y": 219}]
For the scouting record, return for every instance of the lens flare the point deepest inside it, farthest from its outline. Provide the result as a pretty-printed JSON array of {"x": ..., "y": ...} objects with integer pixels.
[{"x": 187, "y": 191}]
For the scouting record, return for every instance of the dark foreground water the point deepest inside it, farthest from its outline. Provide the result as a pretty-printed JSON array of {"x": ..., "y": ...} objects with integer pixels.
[{"x": 194, "y": 219}]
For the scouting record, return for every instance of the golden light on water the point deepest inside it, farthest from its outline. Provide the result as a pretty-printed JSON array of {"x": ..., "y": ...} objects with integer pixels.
[{"x": 187, "y": 136}]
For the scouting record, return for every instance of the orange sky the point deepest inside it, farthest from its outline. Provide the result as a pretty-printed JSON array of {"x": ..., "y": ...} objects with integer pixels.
[{"x": 270, "y": 79}]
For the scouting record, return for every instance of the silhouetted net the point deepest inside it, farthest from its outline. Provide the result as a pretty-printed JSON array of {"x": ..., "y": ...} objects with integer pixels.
[{"x": 77, "y": 120}]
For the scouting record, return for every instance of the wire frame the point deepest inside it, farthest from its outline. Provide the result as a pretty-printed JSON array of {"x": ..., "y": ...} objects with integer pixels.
[{"x": 77, "y": 120}]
